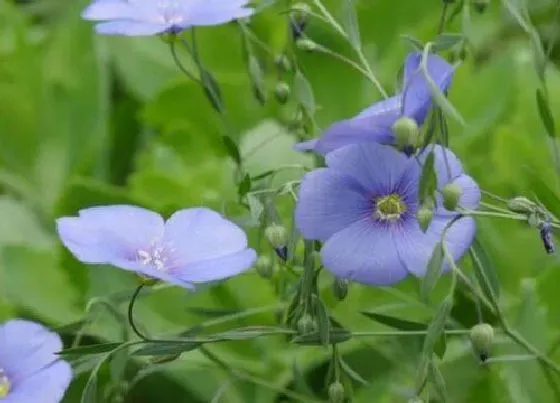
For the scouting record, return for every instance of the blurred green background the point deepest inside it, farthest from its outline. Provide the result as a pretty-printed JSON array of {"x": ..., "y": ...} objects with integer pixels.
[{"x": 88, "y": 120}]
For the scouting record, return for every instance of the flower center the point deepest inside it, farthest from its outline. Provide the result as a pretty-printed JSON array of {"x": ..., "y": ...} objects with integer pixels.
[
  {"x": 154, "y": 257},
  {"x": 390, "y": 207},
  {"x": 5, "y": 384},
  {"x": 170, "y": 12}
]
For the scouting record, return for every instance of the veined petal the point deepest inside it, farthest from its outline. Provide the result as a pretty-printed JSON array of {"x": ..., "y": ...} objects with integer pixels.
[
  {"x": 329, "y": 202},
  {"x": 388, "y": 109},
  {"x": 365, "y": 253},
  {"x": 216, "y": 269},
  {"x": 199, "y": 234},
  {"x": 470, "y": 195},
  {"x": 378, "y": 168},
  {"x": 109, "y": 10},
  {"x": 46, "y": 386},
  {"x": 130, "y": 28},
  {"x": 417, "y": 94},
  {"x": 27, "y": 347},
  {"x": 446, "y": 164}
]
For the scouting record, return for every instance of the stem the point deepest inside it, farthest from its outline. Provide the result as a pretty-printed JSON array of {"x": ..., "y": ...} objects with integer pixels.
[
  {"x": 441, "y": 26},
  {"x": 131, "y": 314},
  {"x": 406, "y": 333},
  {"x": 180, "y": 65}
]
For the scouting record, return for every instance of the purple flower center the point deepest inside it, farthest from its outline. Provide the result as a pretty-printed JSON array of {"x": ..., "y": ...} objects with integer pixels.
[
  {"x": 5, "y": 384},
  {"x": 389, "y": 208}
]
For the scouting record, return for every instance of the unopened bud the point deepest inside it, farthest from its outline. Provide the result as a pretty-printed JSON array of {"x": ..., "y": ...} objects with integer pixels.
[
  {"x": 480, "y": 5},
  {"x": 306, "y": 45},
  {"x": 283, "y": 64},
  {"x": 265, "y": 267},
  {"x": 276, "y": 235},
  {"x": 482, "y": 337},
  {"x": 451, "y": 196},
  {"x": 340, "y": 288},
  {"x": 306, "y": 324},
  {"x": 415, "y": 400},
  {"x": 336, "y": 392},
  {"x": 521, "y": 205},
  {"x": 425, "y": 216},
  {"x": 282, "y": 92},
  {"x": 406, "y": 132}
]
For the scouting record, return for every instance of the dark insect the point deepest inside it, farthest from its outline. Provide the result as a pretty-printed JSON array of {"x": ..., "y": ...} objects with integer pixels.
[
  {"x": 297, "y": 25},
  {"x": 546, "y": 237}
]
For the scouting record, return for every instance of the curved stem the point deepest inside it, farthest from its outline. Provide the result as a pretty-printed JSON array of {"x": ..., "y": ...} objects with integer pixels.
[
  {"x": 180, "y": 65},
  {"x": 131, "y": 314}
]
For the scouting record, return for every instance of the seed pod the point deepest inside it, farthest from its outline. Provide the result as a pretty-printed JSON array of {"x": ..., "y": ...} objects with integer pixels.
[
  {"x": 265, "y": 267},
  {"x": 336, "y": 392},
  {"x": 482, "y": 337},
  {"x": 277, "y": 235},
  {"x": 451, "y": 196},
  {"x": 282, "y": 92},
  {"x": 425, "y": 216},
  {"x": 406, "y": 132},
  {"x": 521, "y": 205},
  {"x": 340, "y": 288},
  {"x": 307, "y": 45}
]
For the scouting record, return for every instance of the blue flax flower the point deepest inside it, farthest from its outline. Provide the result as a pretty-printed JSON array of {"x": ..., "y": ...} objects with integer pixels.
[
  {"x": 30, "y": 370},
  {"x": 363, "y": 205},
  {"x": 194, "y": 245},
  {"x": 150, "y": 17},
  {"x": 375, "y": 123}
]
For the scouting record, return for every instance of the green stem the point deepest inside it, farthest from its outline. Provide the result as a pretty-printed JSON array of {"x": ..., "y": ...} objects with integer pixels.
[{"x": 131, "y": 314}]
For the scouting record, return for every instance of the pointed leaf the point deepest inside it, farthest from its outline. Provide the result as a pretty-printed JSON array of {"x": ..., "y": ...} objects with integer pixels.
[
  {"x": 396, "y": 323},
  {"x": 232, "y": 149},
  {"x": 350, "y": 23},
  {"x": 212, "y": 90},
  {"x": 436, "y": 327},
  {"x": 433, "y": 272},
  {"x": 255, "y": 207},
  {"x": 438, "y": 382},
  {"x": 428, "y": 179},
  {"x": 323, "y": 320},
  {"x": 304, "y": 93},
  {"x": 485, "y": 271},
  {"x": 166, "y": 348},
  {"x": 245, "y": 186},
  {"x": 257, "y": 79},
  {"x": 89, "y": 350},
  {"x": 546, "y": 114},
  {"x": 336, "y": 335},
  {"x": 446, "y": 41}
]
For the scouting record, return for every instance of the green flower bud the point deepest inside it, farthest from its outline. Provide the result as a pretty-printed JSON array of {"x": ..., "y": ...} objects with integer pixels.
[
  {"x": 336, "y": 392},
  {"x": 306, "y": 45},
  {"x": 521, "y": 205},
  {"x": 283, "y": 64},
  {"x": 277, "y": 235},
  {"x": 425, "y": 216},
  {"x": 482, "y": 336},
  {"x": 282, "y": 92},
  {"x": 451, "y": 196},
  {"x": 306, "y": 324},
  {"x": 340, "y": 288},
  {"x": 533, "y": 219},
  {"x": 480, "y": 5},
  {"x": 406, "y": 132},
  {"x": 301, "y": 10},
  {"x": 265, "y": 267}
]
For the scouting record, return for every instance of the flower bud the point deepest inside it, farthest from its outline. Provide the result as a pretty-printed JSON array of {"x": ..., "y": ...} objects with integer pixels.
[
  {"x": 406, "y": 132},
  {"x": 415, "y": 400},
  {"x": 482, "y": 336},
  {"x": 306, "y": 324},
  {"x": 283, "y": 64},
  {"x": 451, "y": 196},
  {"x": 306, "y": 45},
  {"x": 282, "y": 92},
  {"x": 521, "y": 205},
  {"x": 265, "y": 267},
  {"x": 276, "y": 235},
  {"x": 340, "y": 288},
  {"x": 425, "y": 216},
  {"x": 336, "y": 392},
  {"x": 480, "y": 5}
]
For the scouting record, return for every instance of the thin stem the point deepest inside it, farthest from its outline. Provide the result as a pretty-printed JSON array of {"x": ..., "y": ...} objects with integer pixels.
[
  {"x": 342, "y": 58},
  {"x": 441, "y": 26},
  {"x": 180, "y": 65},
  {"x": 131, "y": 314},
  {"x": 406, "y": 333}
]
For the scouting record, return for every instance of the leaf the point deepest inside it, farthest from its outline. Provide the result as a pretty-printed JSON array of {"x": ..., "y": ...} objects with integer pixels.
[
  {"x": 323, "y": 320},
  {"x": 89, "y": 395},
  {"x": 436, "y": 327},
  {"x": 336, "y": 335},
  {"x": 304, "y": 93},
  {"x": 166, "y": 348},
  {"x": 432, "y": 273},
  {"x": 255, "y": 207},
  {"x": 446, "y": 41},
  {"x": 546, "y": 114},
  {"x": 485, "y": 271},
  {"x": 428, "y": 179},
  {"x": 438, "y": 382},
  {"x": 350, "y": 23},
  {"x": 88, "y": 350},
  {"x": 257, "y": 80},
  {"x": 415, "y": 43},
  {"x": 212, "y": 90},
  {"x": 396, "y": 323},
  {"x": 351, "y": 373},
  {"x": 232, "y": 149},
  {"x": 244, "y": 186}
]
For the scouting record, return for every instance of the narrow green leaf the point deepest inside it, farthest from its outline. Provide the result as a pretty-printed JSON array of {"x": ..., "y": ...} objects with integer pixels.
[
  {"x": 232, "y": 149},
  {"x": 415, "y": 43},
  {"x": 323, "y": 320},
  {"x": 433, "y": 272},
  {"x": 255, "y": 207},
  {"x": 166, "y": 348},
  {"x": 336, "y": 335},
  {"x": 428, "y": 179},
  {"x": 446, "y": 41},
  {"x": 485, "y": 271},
  {"x": 89, "y": 394},
  {"x": 304, "y": 93},
  {"x": 396, "y": 323},
  {"x": 350, "y": 23},
  {"x": 245, "y": 185},
  {"x": 436, "y": 327},
  {"x": 212, "y": 90},
  {"x": 257, "y": 79},
  {"x": 438, "y": 382},
  {"x": 88, "y": 350},
  {"x": 546, "y": 114},
  {"x": 351, "y": 373}
]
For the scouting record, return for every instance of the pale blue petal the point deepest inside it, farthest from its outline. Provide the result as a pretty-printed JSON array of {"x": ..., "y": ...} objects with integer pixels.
[
  {"x": 130, "y": 28},
  {"x": 306, "y": 145},
  {"x": 447, "y": 165},
  {"x": 329, "y": 202},
  {"x": 217, "y": 16},
  {"x": 199, "y": 234},
  {"x": 379, "y": 168},
  {"x": 26, "y": 347},
  {"x": 364, "y": 252},
  {"x": 390, "y": 107},
  {"x": 46, "y": 386},
  {"x": 470, "y": 195},
  {"x": 216, "y": 269},
  {"x": 109, "y": 10}
]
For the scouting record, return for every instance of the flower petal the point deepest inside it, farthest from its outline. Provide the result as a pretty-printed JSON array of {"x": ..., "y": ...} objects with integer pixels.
[
  {"x": 27, "y": 347},
  {"x": 130, "y": 28},
  {"x": 45, "y": 386},
  {"x": 470, "y": 195},
  {"x": 199, "y": 234},
  {"x": 109, "y": 10},
  {"x": 216, "y": 269},
  {"x": 365, "y": 253},
  {"x": 110, "y": 234},
  {"x": 329, "y": 202},
  {"x": 446, "y": 164},
  {"x": 218, "y": 15},
  {"x": 378, "y": 168},
  {"x": 306, "y": 145},
  {"x": 417, "y": 94}
]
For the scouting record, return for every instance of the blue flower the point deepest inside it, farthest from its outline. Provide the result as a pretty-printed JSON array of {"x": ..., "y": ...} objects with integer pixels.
[
  {"x": 150, "y": 17},
  {"x": 375, "y": 123},
  {"x": 363, "y": 205},
  {"x": 30, "y": 370},
  {"x": 194, "y": 245}
]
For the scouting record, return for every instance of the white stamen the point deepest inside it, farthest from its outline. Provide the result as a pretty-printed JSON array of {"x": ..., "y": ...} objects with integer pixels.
[{"x": 155, "y": 257}]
